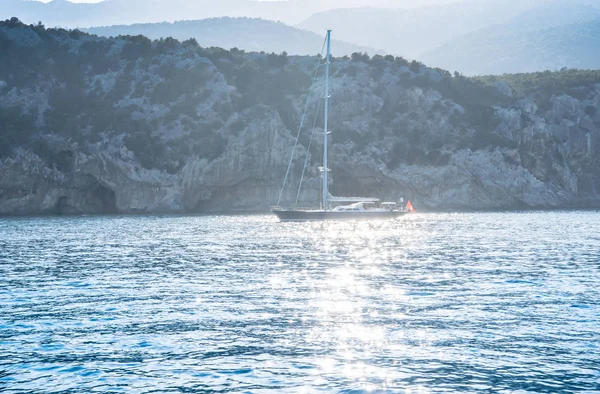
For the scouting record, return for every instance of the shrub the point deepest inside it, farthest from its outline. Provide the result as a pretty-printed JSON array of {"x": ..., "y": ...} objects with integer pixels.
[{"x": 360, "y": 57}]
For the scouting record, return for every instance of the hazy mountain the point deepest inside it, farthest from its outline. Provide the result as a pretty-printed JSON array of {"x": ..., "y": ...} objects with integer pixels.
[
  {"x": 410, "y": 33},
  {"x": 546, "y": 38},
  {"x": 111, "y": 12},
  {"x": 499, "y": 50},
  {"x": 555, "y": 13},
  {"x": 243, "y": 33},
  {"x": 90, "y": 124}
]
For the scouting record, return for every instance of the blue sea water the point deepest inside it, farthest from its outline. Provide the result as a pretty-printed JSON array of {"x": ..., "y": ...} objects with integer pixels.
[{"x": 461, "y": 302}]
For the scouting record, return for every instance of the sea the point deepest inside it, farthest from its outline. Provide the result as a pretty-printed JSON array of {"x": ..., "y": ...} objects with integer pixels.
[{"x": 427, "y": 303}]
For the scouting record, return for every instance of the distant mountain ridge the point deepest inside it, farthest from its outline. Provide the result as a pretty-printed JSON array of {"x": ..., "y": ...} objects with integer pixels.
[
  {"x": 112, "y": 12},
  {"x": 478, "y": 37},
  {"x": 410, "y": 33},
  {"x": 548, "y": 37},
  {"x": 498, "y": 51},
  {"x": 243, "y": 33}
]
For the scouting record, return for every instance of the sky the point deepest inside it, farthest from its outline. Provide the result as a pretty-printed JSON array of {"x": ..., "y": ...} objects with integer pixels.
[
  {"x": 75, "y": 1},
  {"x": 403, "y": 3}
]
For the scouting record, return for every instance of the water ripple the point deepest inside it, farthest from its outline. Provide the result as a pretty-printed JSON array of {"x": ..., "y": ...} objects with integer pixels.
[{"x": 428, "y": 303}]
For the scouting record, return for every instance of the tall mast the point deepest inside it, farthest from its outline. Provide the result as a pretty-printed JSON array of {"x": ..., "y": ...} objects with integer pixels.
[{"x": 325, "y": 127}]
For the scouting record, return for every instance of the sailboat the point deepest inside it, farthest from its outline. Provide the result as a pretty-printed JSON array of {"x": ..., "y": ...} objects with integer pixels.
[{"x": 333, "y": 208}]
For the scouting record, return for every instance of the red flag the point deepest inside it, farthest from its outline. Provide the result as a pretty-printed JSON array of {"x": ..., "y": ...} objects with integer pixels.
[{"x": 409, "y": 207}]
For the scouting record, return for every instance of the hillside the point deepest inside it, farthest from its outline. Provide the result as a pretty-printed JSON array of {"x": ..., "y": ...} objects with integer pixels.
[
  {"x": 411, "y": 32},
  {"x": 477, "y": 37},
  {"x": 243, "y": 33},
  {"x": 502, "y": 50},
  {"x": 95, "y": 125},
  {"x": 547, "y": 38}
]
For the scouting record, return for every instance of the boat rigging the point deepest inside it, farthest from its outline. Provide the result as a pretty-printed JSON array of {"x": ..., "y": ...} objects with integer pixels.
[{"x": 359, "y": 208}]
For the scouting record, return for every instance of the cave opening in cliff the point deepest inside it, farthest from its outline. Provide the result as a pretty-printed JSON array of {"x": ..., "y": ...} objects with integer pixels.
[
  {"x": 99, "y": 200},
  {"x": 105, "y": 199},
  {"x": 62, "y": 206}
]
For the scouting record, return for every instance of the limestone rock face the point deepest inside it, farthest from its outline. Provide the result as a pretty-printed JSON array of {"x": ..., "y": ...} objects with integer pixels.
[
  {"x": 248, "y": 174},
  {"x": 246, "y": 177},
  {"x": 166, "y": 127},
  {"x": 29, "y": 187}
]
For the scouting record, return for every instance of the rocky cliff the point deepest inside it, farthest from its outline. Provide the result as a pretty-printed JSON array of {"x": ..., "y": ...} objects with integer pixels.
[{"x": 96, "y": 125}]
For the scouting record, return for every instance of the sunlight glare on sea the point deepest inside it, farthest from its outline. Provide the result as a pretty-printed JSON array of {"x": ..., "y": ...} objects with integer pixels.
[{"x": 454, "y": 302}]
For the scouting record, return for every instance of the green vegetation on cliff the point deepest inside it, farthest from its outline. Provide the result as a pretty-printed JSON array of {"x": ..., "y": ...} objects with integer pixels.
[{"x": 161, "y": 105}]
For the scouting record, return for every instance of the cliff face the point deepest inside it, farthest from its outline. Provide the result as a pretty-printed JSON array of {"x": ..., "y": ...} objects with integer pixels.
[
  {"x": 93, "y": 125},
  {"x": 241, "y": 178}
]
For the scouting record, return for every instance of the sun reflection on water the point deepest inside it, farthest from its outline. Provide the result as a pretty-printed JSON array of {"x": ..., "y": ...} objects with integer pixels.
[
  {"x": 444, "y": 302},
  {"x": 356, "y": 307}
]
